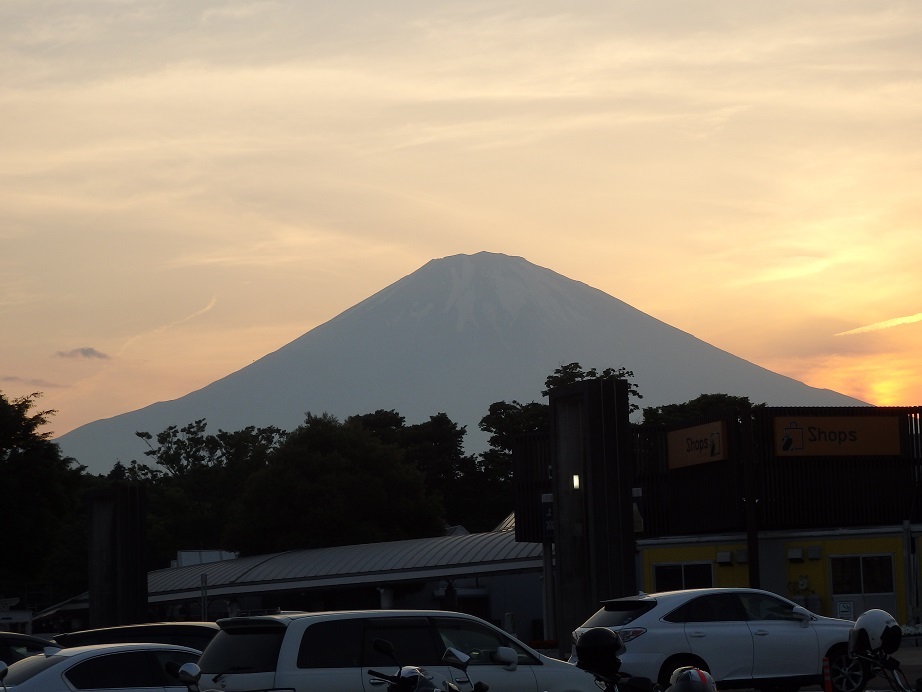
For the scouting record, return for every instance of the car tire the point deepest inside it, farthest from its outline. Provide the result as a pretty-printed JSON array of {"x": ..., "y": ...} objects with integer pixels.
[
  {"x": 847, "y": 674},
  {"x": 670, "y": 665}
]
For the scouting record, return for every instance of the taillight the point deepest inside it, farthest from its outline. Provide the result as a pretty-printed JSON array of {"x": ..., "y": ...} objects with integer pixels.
[{"x": 629, "y": 633}]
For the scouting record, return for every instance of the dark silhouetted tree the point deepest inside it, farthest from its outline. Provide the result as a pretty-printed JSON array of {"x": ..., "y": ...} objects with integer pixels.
[
  {"x": 334, "y": 484},
  {"x": 507, "y": 421},
  {"x": 701, "y": 406},
  {"x": 196, "y": 482},
  {"x": 43, "y": 509}
]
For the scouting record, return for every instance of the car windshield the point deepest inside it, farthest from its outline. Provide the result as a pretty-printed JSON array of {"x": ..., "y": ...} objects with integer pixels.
[
  {"x": 619, "y": 612},
  {"x": 243, "y": 650},
  {"x": 29, "y": 667}
]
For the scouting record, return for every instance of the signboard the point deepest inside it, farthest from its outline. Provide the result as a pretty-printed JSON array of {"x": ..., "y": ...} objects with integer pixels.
[
  {"x": 697, "y": 444},
  {"x": 845, "y": 610},
  {"x": 814, "y": 436}
]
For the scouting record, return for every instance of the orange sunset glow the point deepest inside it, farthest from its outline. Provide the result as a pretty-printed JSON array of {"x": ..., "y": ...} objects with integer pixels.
[{"x": 186, "y": 187}]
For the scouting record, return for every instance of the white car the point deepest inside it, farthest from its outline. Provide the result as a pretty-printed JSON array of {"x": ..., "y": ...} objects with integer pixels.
[
  {"x": 333, "y": 652},
  {"x": 745, "y": 638},
  {"x": 101, "y": 668}
]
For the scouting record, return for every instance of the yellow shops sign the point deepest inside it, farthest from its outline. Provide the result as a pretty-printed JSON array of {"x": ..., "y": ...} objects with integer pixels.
[
  {"x": 697, "y": 445},
  {"x": 812, "y": 436}
]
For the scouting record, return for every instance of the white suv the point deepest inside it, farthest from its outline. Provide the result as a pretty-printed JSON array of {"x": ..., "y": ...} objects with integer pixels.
[
  {"x": 745, "y": 638},
  {"x": 332, "y": 652}
]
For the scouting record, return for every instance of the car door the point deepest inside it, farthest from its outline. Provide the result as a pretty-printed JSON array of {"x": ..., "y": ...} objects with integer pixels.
[
  {"x": 782, "y": 645},
  {"x": 328, "y": 657},
  {"x": 716, "y": 632},
  {"x": 414, "y": 643},
  {"x": 480, "y": 642}
]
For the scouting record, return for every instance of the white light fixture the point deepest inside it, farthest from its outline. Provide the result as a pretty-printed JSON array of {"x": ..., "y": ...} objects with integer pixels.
[{"x": 576, "y": 481}]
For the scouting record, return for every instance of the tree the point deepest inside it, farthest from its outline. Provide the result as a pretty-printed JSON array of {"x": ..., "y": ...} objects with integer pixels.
[
  {"x": 334, "y": 484},
  {"x": 469, "y": 495},
  {"x": 46, "y": 544},
  {"x": 197, "y": 481},
  {"x": 573, "y": 372},
  {"x": 387, "y": 426},
  {"x": 505, "y": 422},
  {"x": 701, "y": 406}
]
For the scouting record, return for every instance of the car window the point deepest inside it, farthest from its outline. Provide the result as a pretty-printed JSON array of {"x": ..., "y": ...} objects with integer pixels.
[
  {"x": 251, "y": 649},
  {"x": 118, "y": 670},
  {"x": 619, "y": 612},
  {"x": 413, "y": 640},
  {"x": 765, "y": 607},
  {"x": 477, "y": 641},
  {"x": 332, "y": 644},
  {"x": 723, "y": 607}
]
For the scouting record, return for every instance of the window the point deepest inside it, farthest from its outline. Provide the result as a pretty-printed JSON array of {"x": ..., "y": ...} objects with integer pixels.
[
  {"x": 116, "y": 671},
  {"x": 724, "y": 607},
  {"x": 412, "y": 638},
  {"x": 477, "y": 641},
  {"x": 332, "y": 644},
  {"x": 763, "y": 607},
  {"x": 250, "y": 649},
  {"x": 690, "y": 575},
  {"x": 862, "y": 574},
  {"x": 619, "y": 612}
]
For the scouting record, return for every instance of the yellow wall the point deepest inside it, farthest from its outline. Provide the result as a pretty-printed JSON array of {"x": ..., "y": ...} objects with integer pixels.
[
  {"x": 816, "y": 572},
  {"x": 724, "y": 575}
]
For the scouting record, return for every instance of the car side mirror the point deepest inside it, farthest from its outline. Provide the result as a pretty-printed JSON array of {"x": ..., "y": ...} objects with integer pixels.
[
  {"x": 3, "y": 670},
  {"x": 189, "y": 674},
  {"x": 803, "y": 614},
  {"x": 507, "y": 656}
]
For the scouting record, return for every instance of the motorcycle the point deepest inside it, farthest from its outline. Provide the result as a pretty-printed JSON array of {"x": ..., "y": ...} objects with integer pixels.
[
  {"x": 873, "y": 640},
  {"x": 597, "y": 652},
  {"x": 418, "y": 679}
]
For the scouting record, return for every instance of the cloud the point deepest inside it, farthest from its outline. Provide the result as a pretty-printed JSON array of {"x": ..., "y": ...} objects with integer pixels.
[
  {"x": 886, "y": 324},
  {"x": 31, "y": 382},
  {"x": 165, "y": 327},
  {"x": 85, "y": 352}
]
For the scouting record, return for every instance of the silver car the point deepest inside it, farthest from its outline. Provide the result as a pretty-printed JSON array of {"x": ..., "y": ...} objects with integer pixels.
[
  {"x": 101, "y": 668},
  {"x": 745, "y": 638},
  {"x": 333, "y": 652}
]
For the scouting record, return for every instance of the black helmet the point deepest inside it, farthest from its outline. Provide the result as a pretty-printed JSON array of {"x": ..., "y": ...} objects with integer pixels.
[
  {"x": 597, "y": 651},
  {"x": 690, "y": 679}
]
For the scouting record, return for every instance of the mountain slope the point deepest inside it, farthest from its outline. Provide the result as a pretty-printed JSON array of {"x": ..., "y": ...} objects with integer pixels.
[{"x": 454, "y": 336}]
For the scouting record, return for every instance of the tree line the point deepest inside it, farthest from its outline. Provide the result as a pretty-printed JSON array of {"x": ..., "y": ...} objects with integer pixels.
[{"x": 368, "y": 478}]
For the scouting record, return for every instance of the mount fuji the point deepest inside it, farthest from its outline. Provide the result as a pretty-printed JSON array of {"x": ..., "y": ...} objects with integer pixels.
[{"x": 453, "y": 337}]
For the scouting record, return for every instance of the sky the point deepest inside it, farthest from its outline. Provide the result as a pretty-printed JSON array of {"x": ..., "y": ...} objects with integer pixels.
[{"x": 186, "y": 186}]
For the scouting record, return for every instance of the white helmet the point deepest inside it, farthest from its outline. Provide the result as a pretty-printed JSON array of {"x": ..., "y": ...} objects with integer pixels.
[{"x": 875, "y": 632}]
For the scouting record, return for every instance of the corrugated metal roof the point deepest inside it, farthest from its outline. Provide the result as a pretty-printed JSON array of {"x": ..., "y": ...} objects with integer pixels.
[{"x": 424, "y": 558}]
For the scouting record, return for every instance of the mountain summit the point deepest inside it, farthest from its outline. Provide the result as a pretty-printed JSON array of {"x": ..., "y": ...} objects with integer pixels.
[{"x": 454, "y": 336}]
